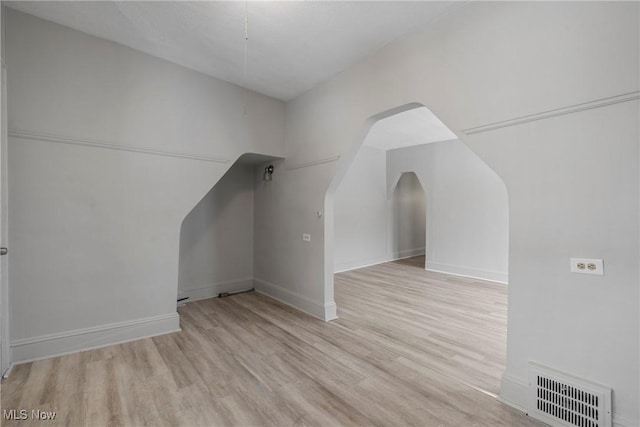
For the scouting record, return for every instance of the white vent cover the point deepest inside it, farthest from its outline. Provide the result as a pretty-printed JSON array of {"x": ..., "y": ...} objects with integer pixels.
[{"x": 562, "y": 400}]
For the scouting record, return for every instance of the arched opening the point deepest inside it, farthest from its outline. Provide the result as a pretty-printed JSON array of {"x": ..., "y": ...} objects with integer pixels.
[
  {"x": 408, "y": 219},
  {"x": 436, "y": 185}
]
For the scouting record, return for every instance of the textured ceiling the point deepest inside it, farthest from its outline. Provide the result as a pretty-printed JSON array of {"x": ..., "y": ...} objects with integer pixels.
[
  {"x": 292, "y": 45},
  {"x": 414, "y": 127}
]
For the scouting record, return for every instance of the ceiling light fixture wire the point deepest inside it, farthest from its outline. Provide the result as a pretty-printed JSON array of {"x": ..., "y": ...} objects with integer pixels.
[{"x": 244, "y": 59}]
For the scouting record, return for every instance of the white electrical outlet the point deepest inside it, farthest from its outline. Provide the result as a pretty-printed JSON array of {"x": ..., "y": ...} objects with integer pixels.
[
  {"x": 306, "y": 237},
  {"x": 587, "y": 266}
]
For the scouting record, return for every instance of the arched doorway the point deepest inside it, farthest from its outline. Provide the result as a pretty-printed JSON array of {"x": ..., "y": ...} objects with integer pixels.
[
  {"x": 464, "y": 213},
  {"x": 408, "y": 218}
]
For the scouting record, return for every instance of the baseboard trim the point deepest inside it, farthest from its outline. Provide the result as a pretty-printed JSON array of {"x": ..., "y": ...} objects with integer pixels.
[
  {"x": 214, "y": 289},
  {"x": 355, "y": 265},
  {"x": 622, "y": 422},
  {"x": 293, "y": 299},
  {"x": 52, "y": 345},
  {"x": 493, "y": 276},
  {"x": 7, "y": 373},
  {"x": 513, "y": 392},
  {"x": 407, "y": 253},
  {"x": 330, "y": 312}
]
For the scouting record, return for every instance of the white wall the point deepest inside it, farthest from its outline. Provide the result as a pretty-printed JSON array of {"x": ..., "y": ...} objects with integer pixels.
[
  {"x": 466, "y": 215},
  {"x": 216, "y": 238},
  {"x": 285, "y": 266},
  {"x": 5, "y": 350},
  {"x": 110, "y": 149},
  {"x": 571, "y": 173},
  {"x": 467, "y": 208},
  {"x": 560, "y": 78},
  {"x": 362, "y": 212}
]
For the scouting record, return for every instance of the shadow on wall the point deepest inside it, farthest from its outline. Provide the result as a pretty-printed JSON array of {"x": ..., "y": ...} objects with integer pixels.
[{"x": 217, "y": 236}]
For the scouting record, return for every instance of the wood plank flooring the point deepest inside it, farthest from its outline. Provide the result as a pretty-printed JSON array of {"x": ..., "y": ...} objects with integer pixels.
[{"x": 410, "y": 348}]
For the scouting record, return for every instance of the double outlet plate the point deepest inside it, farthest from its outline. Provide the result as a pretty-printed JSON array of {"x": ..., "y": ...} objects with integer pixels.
[{"x": 587, "y": 266}]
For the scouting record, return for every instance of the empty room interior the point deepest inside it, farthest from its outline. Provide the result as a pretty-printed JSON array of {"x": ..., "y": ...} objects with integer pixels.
[{"x": 318, "y": 213}]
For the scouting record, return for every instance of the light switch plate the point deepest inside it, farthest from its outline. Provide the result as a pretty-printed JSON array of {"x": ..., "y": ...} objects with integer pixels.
[{"x": 306, "y": 237}]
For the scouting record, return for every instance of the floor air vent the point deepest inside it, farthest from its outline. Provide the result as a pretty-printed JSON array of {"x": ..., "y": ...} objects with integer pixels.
[{"x": 562, "y": 400}]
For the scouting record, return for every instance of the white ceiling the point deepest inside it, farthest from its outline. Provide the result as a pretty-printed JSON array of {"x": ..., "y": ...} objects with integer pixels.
[
  {"x": 413, "y": 127},
  {"x": 293, "y": 45}
]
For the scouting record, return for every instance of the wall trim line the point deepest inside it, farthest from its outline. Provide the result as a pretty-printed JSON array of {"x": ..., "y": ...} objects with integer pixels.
[
  {"x": 492, "y": 276},
  {"x": 313, "y": 163},
  {"x": 62, "y": 139},
  {"x": 7, "y": 373},
  {"x": 343, "y": 267},
  {"x": 621, "y": 421},
  {"x": 513, "y": 392},
  {"x": 369, "y": 262},
  {"x": 330, "y": 311},
  {"x": 212, "y": 290},
  {"x": 293, "y": 299},
  {"x": 603, "y": 102},
  {"x": 51, "y": 345}
]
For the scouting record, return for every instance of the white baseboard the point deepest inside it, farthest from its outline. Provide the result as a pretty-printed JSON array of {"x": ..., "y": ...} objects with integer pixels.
[
  {"x": 45, "y": 346},
  {"x": 330, "y": 312},
  {"x": 7, "y": 373},
  {"x": 513, "y": 392},
  {"x": 494, "y": 276},
  {"x": 362, "y": 263},
  {"x": 407, "y": 253},
  {"x": 622, "y": 422},
  {"x": 213, "y": 290},
  {"x": 297, "y": 301}
]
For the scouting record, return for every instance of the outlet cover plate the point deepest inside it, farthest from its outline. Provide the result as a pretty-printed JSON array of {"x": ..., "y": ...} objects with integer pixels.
[{"x": 587, "y": 266}]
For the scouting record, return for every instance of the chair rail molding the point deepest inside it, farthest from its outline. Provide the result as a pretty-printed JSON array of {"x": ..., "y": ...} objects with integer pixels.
[{"x": 63, "y": 139}]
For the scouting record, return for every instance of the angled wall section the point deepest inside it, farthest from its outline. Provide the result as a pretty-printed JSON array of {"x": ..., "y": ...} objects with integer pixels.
[
  {"x": 110, "y": 149},
  {"x": 216, "y": 238}
]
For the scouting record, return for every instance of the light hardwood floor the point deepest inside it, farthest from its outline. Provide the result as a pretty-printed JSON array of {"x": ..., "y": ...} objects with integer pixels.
[{"x": 410, "y": 348}]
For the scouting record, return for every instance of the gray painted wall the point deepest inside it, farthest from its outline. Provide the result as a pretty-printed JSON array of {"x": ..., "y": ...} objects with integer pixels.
[
  {"x": 5, "y": 343},
  {"x": 362, "y": 212},
  {"x": 216, "y": 238},
  {"x": 110, "y": 149},
  {"x": 95, "y": 232},
  {"x": 379, "y": 211},
  {"x": 572, "y": 179},
  {"x": 285, "y": 266},
  {"x": 467, "y": 208}
]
